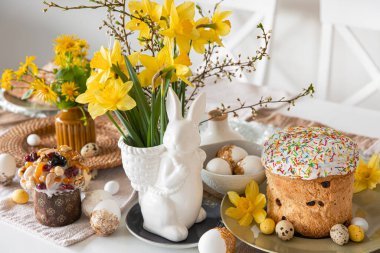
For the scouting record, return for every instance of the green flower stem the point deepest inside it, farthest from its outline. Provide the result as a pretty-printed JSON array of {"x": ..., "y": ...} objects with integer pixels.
[
  {"x": 130, "y": 129},
  {"x": 116, "y": 125}
]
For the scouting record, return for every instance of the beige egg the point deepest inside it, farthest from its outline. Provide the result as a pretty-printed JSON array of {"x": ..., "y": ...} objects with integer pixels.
[
  {"x": 219, "y": 166},
  {"x": 285, "y": 230},
  {"x": 90, "y": 150},
  {"x": 105, "y": 218},
  {"x": 232, "y": 154},
  {"x": 249, "y": 165},
  {"x": 7, "y": 168},
  {"x": 217, "y": 240},
  {"x": 339, "y": 234},
  {"x": 92, "y": 199}
]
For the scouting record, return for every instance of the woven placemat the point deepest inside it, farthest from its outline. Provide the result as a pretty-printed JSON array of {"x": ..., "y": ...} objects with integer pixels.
[{"x": 14, "y": 141}]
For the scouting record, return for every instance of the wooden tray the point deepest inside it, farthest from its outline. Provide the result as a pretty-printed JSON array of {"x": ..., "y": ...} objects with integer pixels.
[{"x": 14, "y": 143}]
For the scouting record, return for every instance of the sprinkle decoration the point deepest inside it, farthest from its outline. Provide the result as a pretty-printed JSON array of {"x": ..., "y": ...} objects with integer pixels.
[{"x": 309, "y": 153}]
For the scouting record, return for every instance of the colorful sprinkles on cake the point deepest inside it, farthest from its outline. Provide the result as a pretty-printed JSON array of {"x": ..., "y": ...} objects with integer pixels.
[{"x": 310, "y": 153}]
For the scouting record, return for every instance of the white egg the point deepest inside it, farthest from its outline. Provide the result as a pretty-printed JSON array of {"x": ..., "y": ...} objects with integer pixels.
[
  {"x": 112, "y": 187},
  {"x": 361, "y": 222},
  {"x": 92, "y": 199},
  {"x": 232, "y": 154},
  {"x": 217, "y": 240},
  {"x": 249, "y": 165},
  {"x": 33, "y": 140},
  {"x": 105, "y": 218},
  {"x": 7, "y": 168},
  {"x": 219, "y": 166}
]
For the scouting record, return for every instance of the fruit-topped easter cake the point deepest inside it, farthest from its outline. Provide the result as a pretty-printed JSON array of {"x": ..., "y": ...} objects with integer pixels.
[
  {"x": 310, "y": 176},
  {"x": 56, "y": 176}
]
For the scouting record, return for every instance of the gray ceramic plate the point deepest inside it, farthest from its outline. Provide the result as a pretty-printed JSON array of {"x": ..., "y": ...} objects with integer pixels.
[{"x": 134, "y": 221}]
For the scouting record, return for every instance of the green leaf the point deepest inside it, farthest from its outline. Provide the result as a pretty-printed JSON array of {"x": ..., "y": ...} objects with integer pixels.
[{"x": 27, "y": 94}]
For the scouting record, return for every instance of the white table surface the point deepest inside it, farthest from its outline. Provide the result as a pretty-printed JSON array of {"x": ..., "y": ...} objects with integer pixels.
[{"x": 345, "y": 118}]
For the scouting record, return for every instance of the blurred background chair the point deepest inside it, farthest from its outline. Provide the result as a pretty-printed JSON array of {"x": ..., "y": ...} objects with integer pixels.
[{"x": 339, "y": 17}]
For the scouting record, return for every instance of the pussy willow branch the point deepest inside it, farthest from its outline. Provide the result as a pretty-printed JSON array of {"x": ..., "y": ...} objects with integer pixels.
[{"x": 264, "y": 102}]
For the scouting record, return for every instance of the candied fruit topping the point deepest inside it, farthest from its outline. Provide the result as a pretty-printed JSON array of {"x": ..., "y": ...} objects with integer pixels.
[
  {"x": 71, "y": 172},
  {"x": 66, "y": 187},
  {"x": 31, "y": 157},
  {"x": 41, "y": 186},
  {"x": 55, "y": 159}
]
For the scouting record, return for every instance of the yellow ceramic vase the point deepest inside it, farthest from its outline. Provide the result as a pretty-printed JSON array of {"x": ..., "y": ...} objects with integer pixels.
[{"x": 70, "y": 128}]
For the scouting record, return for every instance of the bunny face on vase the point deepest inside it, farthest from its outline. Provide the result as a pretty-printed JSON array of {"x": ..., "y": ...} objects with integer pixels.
[{"x": 171, "y": 202}]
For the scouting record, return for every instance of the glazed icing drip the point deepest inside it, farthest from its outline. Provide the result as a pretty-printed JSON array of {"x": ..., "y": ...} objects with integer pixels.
[{"x": 310, "y": 153}]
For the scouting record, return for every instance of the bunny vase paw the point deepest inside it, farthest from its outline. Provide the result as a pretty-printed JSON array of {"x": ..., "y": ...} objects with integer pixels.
[{"x": 201, "y": 216}]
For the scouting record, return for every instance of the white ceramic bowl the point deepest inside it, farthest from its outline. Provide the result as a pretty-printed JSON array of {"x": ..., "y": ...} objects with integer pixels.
[{"x": 225, "y": 183}]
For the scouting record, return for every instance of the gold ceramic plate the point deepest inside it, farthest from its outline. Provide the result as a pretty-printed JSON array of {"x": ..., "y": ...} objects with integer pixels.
[{"x": 365, "y": 204}]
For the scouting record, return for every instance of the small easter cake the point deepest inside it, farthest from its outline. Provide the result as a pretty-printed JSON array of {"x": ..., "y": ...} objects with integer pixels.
[
  {"x": 56, "y": 176},
  {"x": 310, "y": 176}
]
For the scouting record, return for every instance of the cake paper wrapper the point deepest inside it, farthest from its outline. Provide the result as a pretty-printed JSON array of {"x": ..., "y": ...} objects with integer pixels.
[{"x": 22, "y": 216}]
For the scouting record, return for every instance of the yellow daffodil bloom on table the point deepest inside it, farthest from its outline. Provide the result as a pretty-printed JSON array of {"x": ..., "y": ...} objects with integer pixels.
[
  {"x": 43, "y": 92},
  {"x": 248, "y": 208},
  {"x": 367, "y": 175},
  {"x": 29, "y": 65},
  {"x": 182, "y": 27},
  {"x": 162, "y": 62},
  {"x": 104, "y": 59},
  {"x": 69, "y": 90},
  {"x": 70, "y": 49},
  {"x": 6, "y": 79},
  {"x": 108, "y": 96}
]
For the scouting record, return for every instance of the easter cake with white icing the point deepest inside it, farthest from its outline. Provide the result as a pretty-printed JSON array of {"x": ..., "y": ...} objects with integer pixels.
[{"x": 310, "y": 176}]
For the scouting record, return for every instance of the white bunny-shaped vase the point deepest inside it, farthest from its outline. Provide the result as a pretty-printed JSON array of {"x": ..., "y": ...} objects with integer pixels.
[{"x": 171, "y": 197}]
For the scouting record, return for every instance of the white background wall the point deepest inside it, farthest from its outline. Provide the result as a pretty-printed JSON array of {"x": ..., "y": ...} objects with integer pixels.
[{"x": 26, "y": 30}]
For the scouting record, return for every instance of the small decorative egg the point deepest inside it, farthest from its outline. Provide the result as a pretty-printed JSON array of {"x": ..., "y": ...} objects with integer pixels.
[
  {"x": 361, "y": 222},
  {"x": 232, "y": 154},
  {"x": 105, "y": 218},
  {"x": 249, "y": 165},
  {"x": 33, "y": 140},
  {"x": 285, "y": 230},
  {"x": 267, "y": 226},
  {"x": 20, "y": 196},
  {"x": 217, "y": 240},
  {"x": 92, "y": 199},
  {"x": 112, "y": 187},
  {"x": 339, "y": 234},
  {"x": 356, "y": 233},
  {"x": 90, "y": 150},
  {"x": 7, "y": 168},
  {"x": 219, "y": 166}
]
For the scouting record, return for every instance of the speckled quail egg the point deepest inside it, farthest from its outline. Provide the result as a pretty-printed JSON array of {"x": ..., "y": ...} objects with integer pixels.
[
  {"x": 92, "y": 199},
  {"x": 219, "y": 166},
  {"x": 90, "y": 150},
  {"x": 339, "y": 234},
  {"x": 248, "y": 165},
  {"x": 361, "y": 222},
  {"x": 232, "y": 154},
  {"x": 33, "y": 140},
  {"x": 105, "y": 218},
  {"x": 7, "y": 168},
  {"x": 285, "y": 230},
  {"x": 356, "y": 233},
  {"x": 112, "y": 187},
  {"x": 217, "y": 240}
]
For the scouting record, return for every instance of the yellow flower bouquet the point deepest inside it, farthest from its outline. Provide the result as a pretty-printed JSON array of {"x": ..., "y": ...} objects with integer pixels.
[
  {"x": 66, "y": 81},
  {"x": 129, "y": 82}
]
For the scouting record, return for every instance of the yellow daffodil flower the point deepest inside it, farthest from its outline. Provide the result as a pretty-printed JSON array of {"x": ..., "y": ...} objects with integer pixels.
[
  {"x": 167, "y": 7},
  {"x": 69, "y": 90},
  {"x": 206, "y": 35},
  {"x": 6, "y": 79},
  {"x": 143, "y": 9},
  {"x": 29, "y": 65},
  {"x": 248, "y": 208},
  {"x": 43, "y": 92},
  {"x": 109, "y": 96},
  {"x": 104, "y": 59},
  {"x": 222, "y": 26},
  {"x": 182, "y": 27},
  {"x": 163, "y": 62},
  {"x": 367, "y": 176}
]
